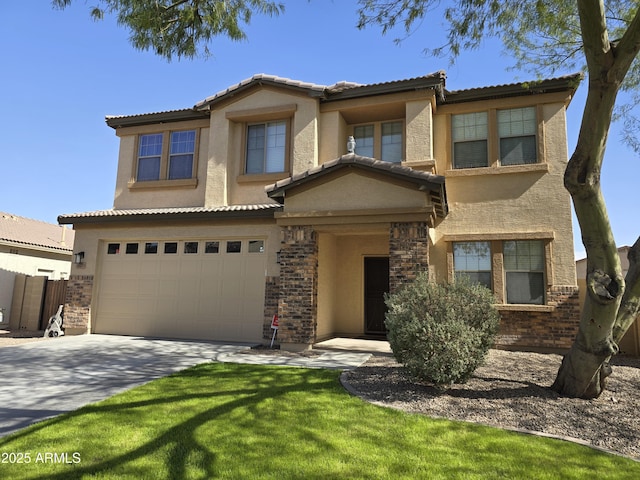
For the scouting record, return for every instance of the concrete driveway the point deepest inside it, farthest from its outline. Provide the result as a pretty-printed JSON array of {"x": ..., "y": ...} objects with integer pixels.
[{"x": 47, "y": 378}]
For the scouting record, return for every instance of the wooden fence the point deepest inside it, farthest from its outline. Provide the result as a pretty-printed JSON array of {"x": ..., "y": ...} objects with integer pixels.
[{"x": 35, "y": 300}]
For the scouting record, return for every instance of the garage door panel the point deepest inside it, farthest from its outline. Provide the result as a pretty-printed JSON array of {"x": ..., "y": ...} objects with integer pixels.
[{"x": 218, "y": 296}]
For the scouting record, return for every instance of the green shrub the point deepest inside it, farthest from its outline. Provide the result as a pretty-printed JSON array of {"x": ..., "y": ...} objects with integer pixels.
[{"x": 441, "y": 333}]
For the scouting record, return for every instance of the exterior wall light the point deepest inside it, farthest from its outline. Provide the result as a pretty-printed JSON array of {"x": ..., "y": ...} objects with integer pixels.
[{"x": 78, "y": 258}]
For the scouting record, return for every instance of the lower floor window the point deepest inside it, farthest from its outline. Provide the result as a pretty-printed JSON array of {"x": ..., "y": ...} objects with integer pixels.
[
  {"x": 473, "y": 260},
  {"x": 523, "y": 271}
]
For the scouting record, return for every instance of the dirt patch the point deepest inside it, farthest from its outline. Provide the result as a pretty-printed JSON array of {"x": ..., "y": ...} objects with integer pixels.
[{"x": 511, "y": 391}]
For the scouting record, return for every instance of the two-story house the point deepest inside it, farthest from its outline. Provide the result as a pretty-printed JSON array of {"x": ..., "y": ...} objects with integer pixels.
[{"x": 252, "y": 203}]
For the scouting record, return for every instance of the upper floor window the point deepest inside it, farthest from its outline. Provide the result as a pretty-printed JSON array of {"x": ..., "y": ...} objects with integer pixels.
[
  {"x": 510, "y": 141},
  {"x": 149, "y": 157},
  {"x": 384, "y": 141},
  {"x": 181, "y": 152},
  {"x": 166, "y": 156},
  {"x": 266, "y": 149},
  {"x": 469, "y": 133},
  {"x": 517, "y": 132},
  {"x": 363, "y": 135}
]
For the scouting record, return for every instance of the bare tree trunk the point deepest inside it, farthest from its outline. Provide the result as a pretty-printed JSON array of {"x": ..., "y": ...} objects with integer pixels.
[{"x": 608, "y": 311}]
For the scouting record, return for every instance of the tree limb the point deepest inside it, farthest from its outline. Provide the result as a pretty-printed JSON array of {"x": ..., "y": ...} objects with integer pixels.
[
  {"x": 627, "y": 49},
  {"x": 593, "y": 24},
  {"x": 630, "y": 306}
]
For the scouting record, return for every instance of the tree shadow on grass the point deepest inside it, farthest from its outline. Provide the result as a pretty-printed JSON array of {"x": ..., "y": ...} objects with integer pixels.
[{"x": 180, "y": 441}]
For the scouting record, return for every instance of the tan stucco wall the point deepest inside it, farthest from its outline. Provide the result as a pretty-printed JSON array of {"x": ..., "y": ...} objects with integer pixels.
[
  {"x": 150, "y": 195},
  {"x": 354, "y": 190},
  {"x": 226, "y": 182},
  {"x": 413, "y": 108},
  {"x": 333, "y": 136},
  {"x": 419, "y": 132},
  {"x": 341, "y": 280},
  {"x": 503, "y": 201}
]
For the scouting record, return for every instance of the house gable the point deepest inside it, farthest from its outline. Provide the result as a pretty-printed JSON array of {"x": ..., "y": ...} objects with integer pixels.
[{"x": 355, "y": 186}]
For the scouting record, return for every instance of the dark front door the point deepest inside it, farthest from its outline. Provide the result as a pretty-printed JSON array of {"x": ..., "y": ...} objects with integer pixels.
[{"x": 376, "y": 284}]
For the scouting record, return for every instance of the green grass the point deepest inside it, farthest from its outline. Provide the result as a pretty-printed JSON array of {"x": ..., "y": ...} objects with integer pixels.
[{"x": 252, "y": 422}]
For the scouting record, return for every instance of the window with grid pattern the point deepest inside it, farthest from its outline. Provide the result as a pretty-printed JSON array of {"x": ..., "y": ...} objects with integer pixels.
[
  {"x": 473, "y": 260},
  {"x": 517, "y": 131},
  {"x": 524, "y": 271},
  {"x": 181, "y": 150},
  {"x": 469, "y": 134},
  {"x": 391, "y": 143},
  {"x": 149, "y": 157},
  {"x": 266, "y": 147},
  {"x": 364, "y": 137}
]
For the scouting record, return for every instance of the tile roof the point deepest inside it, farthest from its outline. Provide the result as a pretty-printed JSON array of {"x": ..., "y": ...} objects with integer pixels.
[
  {"x": 348, "y": 90},
  {"x": 225, "y": 211},
  {"x": 323, "y": 91},
  {"x": 557, "y": 84},
  {"x": 35, "y": 234}
]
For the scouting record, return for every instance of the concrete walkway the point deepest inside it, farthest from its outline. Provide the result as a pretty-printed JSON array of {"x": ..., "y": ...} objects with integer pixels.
[{"x": 47, "y": 378}]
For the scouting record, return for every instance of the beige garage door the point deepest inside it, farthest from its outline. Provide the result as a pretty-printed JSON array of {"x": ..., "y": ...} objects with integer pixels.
[{"x": 206, "y": 289}]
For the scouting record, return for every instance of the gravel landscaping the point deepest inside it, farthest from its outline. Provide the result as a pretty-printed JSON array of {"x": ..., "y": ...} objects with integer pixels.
[{"x": 511, "y": 391}]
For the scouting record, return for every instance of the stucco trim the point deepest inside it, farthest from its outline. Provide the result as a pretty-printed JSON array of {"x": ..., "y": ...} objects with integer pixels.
[
  {"x": 470, "y": 237},
  {"x": 353, "y": 217},
  {"x": 164, "y": 184},
  {"x": 264, "y": 113},
  {"x": 498, "y": 170}
]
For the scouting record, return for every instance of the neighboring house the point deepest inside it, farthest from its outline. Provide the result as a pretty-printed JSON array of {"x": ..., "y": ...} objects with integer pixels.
[
  {"x": 630, "y": 343},
  {"x": 249, "y": 205},
  {"x": 34, "y": 248}
]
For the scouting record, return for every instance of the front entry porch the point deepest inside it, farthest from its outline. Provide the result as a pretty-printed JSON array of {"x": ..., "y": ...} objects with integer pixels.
[
  {"x": 351, "y": 230},
  {"x": 333, "y": 278}
]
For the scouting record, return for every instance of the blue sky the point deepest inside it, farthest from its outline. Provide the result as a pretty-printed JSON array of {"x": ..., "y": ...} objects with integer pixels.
[{"x": 63, "y": 73}]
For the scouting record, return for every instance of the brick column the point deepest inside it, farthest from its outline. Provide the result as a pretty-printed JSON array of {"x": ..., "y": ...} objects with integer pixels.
[
  {"x": 297, "y": 305},
  {"x": 77, "y": 305},
  {"x": 408, "y": 252},
  {"x": 271, "y": 297}
]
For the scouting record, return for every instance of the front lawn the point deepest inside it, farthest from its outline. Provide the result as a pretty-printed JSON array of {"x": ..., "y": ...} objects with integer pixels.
[{"x": 250, "y": 422}]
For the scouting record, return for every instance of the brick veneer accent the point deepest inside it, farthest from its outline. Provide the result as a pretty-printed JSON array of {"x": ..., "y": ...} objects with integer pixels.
[
  {"x": 77, "y": 305},
  {"x": 297, "y": 305},
  {"x": 408, "y": 252},
  {"x": 271, "y": 296},
  {"x": 554, "y": 329}
]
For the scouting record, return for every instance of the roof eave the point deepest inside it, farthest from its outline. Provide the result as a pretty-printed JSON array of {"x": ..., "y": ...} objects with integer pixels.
[
  {"x": 208, "y": 104},
  {"x": 155, "y": 118},
  {"x": 167, "y": 216},
  {"x": 568, "y": 83},
  {"x": 35, "y": 246},
  {"x": 434, "y": 82}
]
